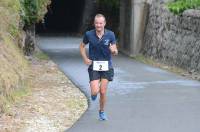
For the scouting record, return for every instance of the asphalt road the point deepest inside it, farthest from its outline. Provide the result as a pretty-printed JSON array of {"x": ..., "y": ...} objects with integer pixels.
[{"x": 140, "y": 99}]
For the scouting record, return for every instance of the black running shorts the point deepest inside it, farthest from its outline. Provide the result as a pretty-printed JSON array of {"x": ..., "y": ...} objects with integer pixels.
[{"x": 96, "y": 75}]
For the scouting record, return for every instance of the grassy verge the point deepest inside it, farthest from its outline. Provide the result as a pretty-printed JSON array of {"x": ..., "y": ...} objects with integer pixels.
[
  {"x": 41, "y": 55},
  {"x": 14, "y": 71},
  {"x": 15, "y": 96},
  {"x": 155, "y": 63},
  {"x": 23, "y": 89}
]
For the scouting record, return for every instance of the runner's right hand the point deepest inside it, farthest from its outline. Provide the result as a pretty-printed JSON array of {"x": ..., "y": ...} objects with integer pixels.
[{"x": 87, "y": 61}]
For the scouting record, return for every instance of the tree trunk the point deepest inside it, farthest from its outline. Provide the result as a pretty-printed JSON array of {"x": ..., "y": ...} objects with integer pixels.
[{"x": 29, "y": 40}]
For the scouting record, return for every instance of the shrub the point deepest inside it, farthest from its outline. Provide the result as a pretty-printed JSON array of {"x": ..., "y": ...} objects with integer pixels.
[
  {"x": 33, "y": 10},
  {"x": 179, "y": 6}
]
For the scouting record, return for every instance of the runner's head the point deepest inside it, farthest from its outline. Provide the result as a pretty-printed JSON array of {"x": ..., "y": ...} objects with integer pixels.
[{"x": 99, "y": 22}]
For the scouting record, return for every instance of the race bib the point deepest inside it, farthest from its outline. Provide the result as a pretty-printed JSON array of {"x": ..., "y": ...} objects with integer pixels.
[{"x": 100, "y": 65}]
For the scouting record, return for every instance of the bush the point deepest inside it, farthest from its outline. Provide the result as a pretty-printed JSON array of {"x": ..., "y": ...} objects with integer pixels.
[
  {"x": 33, "y": 10},
  {"x": 179, "y": 6}
]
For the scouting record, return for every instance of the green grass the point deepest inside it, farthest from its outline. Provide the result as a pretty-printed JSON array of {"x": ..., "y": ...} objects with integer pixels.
[
  {"x": 155, "y": 63},
  {"x": 14, "y": 96},
  {"x": 20, "y": 93},
  {"x": 41, "y": 56}
]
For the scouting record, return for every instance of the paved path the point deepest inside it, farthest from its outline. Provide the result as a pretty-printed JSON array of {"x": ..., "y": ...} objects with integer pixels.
[{"x": 140, "y": 99}]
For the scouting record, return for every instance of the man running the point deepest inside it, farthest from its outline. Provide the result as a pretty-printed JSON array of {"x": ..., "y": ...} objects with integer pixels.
[{"x": 102, "y": 44}]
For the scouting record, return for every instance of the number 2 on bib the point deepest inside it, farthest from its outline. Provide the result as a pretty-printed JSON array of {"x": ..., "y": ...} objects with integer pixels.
[{"x": 100, "y": 65}]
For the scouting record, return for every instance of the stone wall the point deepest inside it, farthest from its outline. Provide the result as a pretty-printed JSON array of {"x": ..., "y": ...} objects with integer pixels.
[
  {"x": 125, "y": 26},
  {"x": 132, "y": 24},
  {"x": 173, "y": 39}
]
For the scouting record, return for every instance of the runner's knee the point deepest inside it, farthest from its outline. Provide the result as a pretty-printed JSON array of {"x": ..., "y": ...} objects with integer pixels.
[
  {"x": 95, "y": 91},
  {"x": 103, "y": 90},
  {"x": 94, "y": 87}
]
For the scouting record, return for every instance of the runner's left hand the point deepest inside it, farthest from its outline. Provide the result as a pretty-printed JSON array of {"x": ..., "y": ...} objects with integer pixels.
[{"x": 113, "y": 49}]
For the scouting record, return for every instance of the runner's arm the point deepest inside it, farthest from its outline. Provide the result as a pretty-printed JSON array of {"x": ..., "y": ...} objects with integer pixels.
[{"x": 86, "y": 60}]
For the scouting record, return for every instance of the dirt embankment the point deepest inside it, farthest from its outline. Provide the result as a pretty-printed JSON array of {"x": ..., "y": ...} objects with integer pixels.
[
  {"x": 34, "y": 94},
  {"x": 13, "y": 66},
  {"x": 14, "y": 69},
  {"x": 53, "y": 103}
]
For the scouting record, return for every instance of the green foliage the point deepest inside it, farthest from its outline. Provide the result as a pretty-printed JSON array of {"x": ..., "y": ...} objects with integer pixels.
[
  {"x": 13, "y": 30},
  {"x": 179, "y": 6},
  {"x": 33, "y": 10},
  {"x": 29, "y": 12},
  {"x": 41, "y": 56}
]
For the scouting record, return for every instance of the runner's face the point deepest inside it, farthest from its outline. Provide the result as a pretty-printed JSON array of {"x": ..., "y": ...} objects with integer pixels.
[{"x": 99, "y": 24}]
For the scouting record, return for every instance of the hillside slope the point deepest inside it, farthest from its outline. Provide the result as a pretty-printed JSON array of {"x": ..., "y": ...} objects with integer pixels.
[{"x": 14, "y": 67}]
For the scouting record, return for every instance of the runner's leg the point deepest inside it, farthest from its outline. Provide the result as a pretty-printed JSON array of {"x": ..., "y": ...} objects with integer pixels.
[
  {"x": 103, "y": 88},
  {"x": 94, "y": 86}
]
